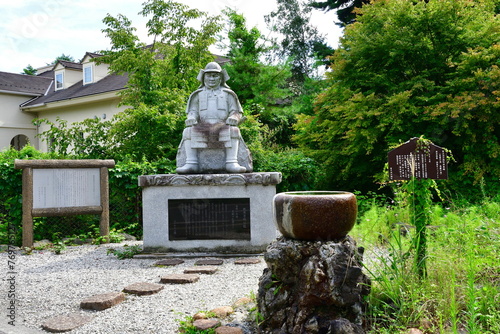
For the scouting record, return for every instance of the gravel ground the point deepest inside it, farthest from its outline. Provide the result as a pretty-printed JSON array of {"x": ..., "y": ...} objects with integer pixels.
[{"x": 48, "y": 285}]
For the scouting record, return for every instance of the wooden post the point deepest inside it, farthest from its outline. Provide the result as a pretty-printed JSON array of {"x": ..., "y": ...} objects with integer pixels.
[
  {"x": 27, "y": 207},
  {"x": 104, "y": 222}
]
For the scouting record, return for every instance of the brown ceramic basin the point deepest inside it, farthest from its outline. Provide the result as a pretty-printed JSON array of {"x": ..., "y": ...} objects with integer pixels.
[{"x": 315, "y": 215}]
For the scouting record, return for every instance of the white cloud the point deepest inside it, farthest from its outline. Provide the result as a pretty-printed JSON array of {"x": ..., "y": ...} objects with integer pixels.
[{"x": 36, "y": 32}]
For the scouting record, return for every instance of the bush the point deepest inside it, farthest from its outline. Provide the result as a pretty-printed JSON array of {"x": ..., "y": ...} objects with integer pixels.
[
  {"x": 300, "y": 173},
  {"x": 125, "y": 199}
]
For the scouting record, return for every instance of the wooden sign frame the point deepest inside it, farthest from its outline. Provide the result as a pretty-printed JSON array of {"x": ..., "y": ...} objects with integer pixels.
[{"x": 29, "y": 212}]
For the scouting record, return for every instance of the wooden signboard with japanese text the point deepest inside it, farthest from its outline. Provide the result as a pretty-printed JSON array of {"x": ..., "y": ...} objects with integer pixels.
[
  {"x": 407, "y": 160},
  {"x": 64, "y": 188}
]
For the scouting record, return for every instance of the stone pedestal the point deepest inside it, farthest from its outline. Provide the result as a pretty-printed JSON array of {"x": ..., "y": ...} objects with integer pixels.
[
  {"x": 222, "y": 213},
  {"x": 313, "y": 287}
]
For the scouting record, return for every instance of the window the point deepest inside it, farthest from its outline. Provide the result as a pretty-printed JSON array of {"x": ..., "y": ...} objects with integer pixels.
[
  {"x": 87, "y": 75},
  {"x": 59, "y": 80},
  {"x": 19, "y": 141}
]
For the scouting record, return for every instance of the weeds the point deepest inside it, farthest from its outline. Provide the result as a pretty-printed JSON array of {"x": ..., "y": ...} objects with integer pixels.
[
  {"x": 186, "y": 325},
  {"x": 461, "y": 291},
  {"x": 128, "y": 252}
]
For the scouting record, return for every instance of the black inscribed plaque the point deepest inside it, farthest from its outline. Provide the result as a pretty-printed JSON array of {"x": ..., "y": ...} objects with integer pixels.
[{"x": 204, "y": 219}]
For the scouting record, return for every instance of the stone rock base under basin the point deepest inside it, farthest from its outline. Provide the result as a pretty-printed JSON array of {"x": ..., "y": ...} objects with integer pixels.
[{"x": 313, "y": 287}]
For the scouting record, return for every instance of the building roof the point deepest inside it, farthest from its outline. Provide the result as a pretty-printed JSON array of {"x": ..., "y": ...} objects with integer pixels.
[
  {"x": 69, "y": 64},
  {"x": 24, "y": 84},
  {"x": 110, "y": 83},
  {"x": 92, "y": 55},
  {"x": 47, "y": 93}
]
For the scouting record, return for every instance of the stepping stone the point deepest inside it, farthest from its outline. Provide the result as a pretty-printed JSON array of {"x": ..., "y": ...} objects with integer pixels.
[
  {"x": 208, "y": 263},
  {"x": 102, "y": 301},
  {"x": 242, "y": 301},
  {"x": 204, "y": 324},
  {"x": 200, "y": 315},
  {"x": 168, "y": 262},
  {"x": 228, "y": 330},
  {"x": 143, "y": 288},
  {"x": 179, "y": 279},
  {"x": 65, "y": 323},
  {"x": 247, "y": 261},
  {"x": 222, "y": 311},
  {"x": 208, "y": 270}
]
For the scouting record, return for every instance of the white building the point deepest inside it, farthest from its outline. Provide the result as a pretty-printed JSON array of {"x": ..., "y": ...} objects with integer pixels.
[{"x": 68, "y": 90}]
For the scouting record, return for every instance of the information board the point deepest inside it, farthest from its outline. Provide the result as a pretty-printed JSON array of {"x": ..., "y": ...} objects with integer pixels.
[
  {"x": 406, "y": 160},
  {"x": 203, "y": 219},
  {"x": 66, "y": 187}
]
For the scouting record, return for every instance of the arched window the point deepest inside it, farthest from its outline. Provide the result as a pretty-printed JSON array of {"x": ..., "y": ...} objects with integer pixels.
[{"x": 19, "y": 141}]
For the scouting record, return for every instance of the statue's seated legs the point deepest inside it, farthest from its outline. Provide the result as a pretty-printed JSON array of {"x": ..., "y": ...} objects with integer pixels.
[
  {"x": 213, "y": 136},
  {"x": 191, "y": 165}
]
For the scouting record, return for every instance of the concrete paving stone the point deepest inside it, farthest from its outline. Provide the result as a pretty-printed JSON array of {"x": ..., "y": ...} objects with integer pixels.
[
  {"x": 207, "y": 270},
  {"x": 168, "y": 262},
  {"x": 66, "y": 323},
  {"x": 143, "y": 288},
  {"x": 102, "y": 301},
  {"x": 179, "y": 278},
  {"x": 247, "y": 261},
  {"x": 214, "y": 262}
]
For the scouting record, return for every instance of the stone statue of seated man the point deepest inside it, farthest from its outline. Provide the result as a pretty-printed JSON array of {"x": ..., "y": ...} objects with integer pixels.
[{"x": 211, "y": 141}]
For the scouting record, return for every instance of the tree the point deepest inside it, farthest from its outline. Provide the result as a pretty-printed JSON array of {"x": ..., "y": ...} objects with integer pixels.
[
  {"x": 29, "y": 70},
  {"x": 62, "y": 57},
  {"x": 345, "y": 8},
  {"x": 163, "y": 73},
  {"x": 406, "y": 69},
  {"x": 300, "y": 38},
  {"x": 254, "y": 81},
  {"x": 260, "y": 86},
  {"x": 160, "y": 78}
]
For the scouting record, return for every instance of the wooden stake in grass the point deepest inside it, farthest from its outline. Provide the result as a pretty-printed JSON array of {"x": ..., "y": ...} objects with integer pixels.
[
  {"x": 420, "y": 162},
  {"x": 419, "y": 215}
]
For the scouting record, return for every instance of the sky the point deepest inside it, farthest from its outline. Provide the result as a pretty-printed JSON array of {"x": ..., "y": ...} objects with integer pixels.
[{"x": 35, "y": 32}]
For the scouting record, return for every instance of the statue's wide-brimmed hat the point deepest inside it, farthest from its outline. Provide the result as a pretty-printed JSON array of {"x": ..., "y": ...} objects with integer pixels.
[{"x": 213, "y": 67}]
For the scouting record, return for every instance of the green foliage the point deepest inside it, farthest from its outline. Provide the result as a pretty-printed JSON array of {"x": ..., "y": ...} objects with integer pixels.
[
  {"x": 162, "y": 74},
  {"x": 126, "y": 195},
  {"x": 253, "y": 81},
  {"x": 29, "y": 70},
  {"x": 406, "y": 69},
  {"x": 138, "y": 133},
  {"x": 299, "y": 37},
  {"x": 461, "y": 289},
  {"x": 346, "y": 9},
  {"x": 63, "y": 57},
  {"x": 145, "y": 133},
  {"x": 88, "y": 138},
  {"x": 127, "y": 252},
  {"x": 186, "y": 325},
  {"x": 299, "y": 172}
]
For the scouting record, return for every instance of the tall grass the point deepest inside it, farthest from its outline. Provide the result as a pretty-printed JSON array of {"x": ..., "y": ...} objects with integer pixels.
[{"x": 461, "y": 290}]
